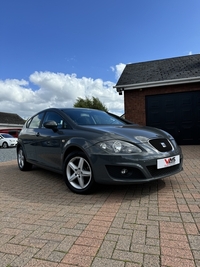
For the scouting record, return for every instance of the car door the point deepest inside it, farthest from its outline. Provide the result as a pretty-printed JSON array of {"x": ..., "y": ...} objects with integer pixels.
[
  {"x": 50, "y": 142},
  {"x": 29, "y": 136}
]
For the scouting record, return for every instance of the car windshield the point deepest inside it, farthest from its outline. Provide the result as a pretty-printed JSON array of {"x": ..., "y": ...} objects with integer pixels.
[
  {"x": 92, "y": 117},
  {"x": 7, "y": 135}
]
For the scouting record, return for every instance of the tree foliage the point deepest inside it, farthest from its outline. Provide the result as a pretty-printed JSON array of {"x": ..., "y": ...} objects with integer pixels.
[{"x": 93, "y": 103}]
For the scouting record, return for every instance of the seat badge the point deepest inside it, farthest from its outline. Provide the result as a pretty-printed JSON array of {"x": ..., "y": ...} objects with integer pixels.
[{"x": 163, "y": 144}]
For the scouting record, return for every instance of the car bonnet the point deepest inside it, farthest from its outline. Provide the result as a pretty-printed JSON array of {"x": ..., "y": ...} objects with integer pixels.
[{"x": 134, "y": 133}]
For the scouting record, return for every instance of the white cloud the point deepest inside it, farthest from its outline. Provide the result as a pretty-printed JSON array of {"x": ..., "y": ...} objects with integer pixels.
[
  {"x": 118, "y": 69},
  {"x": 56, "y": 90}
]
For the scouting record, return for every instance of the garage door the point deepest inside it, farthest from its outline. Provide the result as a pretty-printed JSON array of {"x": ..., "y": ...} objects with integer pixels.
[{"x": 178, "y": 114}]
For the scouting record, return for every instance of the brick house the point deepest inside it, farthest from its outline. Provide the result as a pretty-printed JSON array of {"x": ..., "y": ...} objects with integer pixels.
[{"x": 164, "y": 94}]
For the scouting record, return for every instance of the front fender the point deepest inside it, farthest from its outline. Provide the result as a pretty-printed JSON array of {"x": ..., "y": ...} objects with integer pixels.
[{"x": 76, "y": 144}]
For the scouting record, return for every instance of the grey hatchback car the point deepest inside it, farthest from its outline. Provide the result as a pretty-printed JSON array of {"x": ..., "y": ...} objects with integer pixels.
[{"x": 91, "y": 147}]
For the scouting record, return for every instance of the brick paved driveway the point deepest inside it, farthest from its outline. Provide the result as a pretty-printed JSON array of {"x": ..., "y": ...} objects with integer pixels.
[{"x": 43, "y": 224}]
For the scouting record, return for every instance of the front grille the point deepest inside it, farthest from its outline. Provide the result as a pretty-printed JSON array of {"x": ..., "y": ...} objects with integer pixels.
[
  {"x": 161, "y": 172},
  {"x": 162, "y": 145}
]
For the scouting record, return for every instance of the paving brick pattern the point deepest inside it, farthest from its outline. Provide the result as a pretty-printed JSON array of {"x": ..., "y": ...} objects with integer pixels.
[{"x": 43, "y": 224}]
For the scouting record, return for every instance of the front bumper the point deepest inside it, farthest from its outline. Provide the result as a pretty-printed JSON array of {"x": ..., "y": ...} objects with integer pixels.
[
  {"x": 13, "y": 144},
  {"x": 126, "y": 169}
]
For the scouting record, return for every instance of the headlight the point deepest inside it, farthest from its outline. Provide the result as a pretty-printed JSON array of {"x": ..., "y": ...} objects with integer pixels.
[{"x": 118, "y": 146}]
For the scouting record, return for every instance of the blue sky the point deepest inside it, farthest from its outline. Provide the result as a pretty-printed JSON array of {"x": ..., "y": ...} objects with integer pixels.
[{"x": 53, "y": 51}]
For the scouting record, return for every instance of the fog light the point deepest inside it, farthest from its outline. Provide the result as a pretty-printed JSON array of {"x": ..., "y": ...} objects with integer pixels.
[{"x": 124, "y": 171}]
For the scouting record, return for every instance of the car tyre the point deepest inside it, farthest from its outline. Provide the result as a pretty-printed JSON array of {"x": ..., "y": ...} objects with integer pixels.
[
  {"x": 78, "y": 173},
  {"x": 5, "y": 145},
  {"x": 21, "y": 160}
]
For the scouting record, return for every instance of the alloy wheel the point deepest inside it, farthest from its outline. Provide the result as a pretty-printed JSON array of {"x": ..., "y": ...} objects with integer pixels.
[{"x": 78, "y": 172}]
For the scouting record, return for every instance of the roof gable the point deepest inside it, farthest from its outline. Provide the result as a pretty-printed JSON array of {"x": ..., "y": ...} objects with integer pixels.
[
  {"x": 10, "y": 118},
  {"x": 157, "y": 71}
]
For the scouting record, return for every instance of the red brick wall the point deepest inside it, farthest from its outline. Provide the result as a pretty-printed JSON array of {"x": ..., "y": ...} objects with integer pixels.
[{"x": 134, "y": 100}]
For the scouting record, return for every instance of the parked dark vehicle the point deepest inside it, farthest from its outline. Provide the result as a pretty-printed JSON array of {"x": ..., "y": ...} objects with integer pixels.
[{"x": 91, "y": 146}]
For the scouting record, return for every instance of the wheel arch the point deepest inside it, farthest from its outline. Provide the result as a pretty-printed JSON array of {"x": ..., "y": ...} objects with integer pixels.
[
  {"x": 74, "y": 148},
  {"x": 4, "y": 142},
  {"x": 20, "y": 145}
]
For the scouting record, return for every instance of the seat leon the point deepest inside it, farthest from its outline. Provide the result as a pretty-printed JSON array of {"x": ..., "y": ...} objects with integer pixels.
[{"x": 91, "y": 147}]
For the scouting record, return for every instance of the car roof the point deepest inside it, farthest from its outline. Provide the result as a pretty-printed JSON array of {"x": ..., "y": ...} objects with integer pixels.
[
  {"x": 80, "y": 109},
  {"x": 71, "y": 109}
]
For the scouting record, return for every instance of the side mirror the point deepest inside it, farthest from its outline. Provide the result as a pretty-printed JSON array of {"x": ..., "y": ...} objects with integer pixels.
[{"x": 51, "y": 125}]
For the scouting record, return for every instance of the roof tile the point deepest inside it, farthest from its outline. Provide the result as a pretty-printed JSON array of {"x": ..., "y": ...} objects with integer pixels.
[
  {"x": 161, "y": 70},
  {"x": 10, "y": 118}
]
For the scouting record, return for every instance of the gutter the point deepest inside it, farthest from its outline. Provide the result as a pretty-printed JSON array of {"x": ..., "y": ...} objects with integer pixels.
[
  {"x": 10, "y": 125},
  {"x": 133, "y": 86}
]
